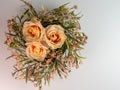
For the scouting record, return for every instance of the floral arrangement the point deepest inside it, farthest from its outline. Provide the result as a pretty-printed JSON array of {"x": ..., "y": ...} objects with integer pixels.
[{"x": 45, "y": 43}]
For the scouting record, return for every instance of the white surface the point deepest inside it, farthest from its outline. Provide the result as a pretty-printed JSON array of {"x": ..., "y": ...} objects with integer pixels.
[{"x": 101, "y": 69}]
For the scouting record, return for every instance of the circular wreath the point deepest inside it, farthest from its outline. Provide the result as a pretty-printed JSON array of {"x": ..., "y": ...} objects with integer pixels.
[{"x": 45, "y": 43}]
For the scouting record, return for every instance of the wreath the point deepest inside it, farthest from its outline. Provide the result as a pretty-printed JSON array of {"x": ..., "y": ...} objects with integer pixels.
[{"x": 45, "y": 43}]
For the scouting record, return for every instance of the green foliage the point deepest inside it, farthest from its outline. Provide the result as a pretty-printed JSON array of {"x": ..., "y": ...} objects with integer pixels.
[{"x": 64, "y": 58}]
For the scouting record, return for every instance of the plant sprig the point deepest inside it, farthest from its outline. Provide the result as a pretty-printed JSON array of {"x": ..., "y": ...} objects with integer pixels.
[{"x": 64, "y": 58}]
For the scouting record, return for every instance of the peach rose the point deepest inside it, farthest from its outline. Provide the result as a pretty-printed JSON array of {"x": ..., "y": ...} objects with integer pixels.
[
  {"x": 33, "y": 31},
  {"x": 36, "y": 50},
  {"x": 55, "y": 36}
]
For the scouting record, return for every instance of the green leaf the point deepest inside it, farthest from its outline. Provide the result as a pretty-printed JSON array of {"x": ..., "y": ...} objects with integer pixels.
[
  {"x": 9, "y": 57},
  {"x": 31, "y": 8},
  {"x": 26, "y": 77},
  {"x": 22, "y": 16},
  {"x": 11, "y": 34}
]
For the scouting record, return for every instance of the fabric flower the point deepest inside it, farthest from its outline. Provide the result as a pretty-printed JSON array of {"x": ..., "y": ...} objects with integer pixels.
[
  {"x": 33, "y": 31},
  {"x": 36, "y": 50},
  {"x": 55, "y": 36}
]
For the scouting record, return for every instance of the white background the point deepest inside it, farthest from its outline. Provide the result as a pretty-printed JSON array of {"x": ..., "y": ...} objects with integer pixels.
[{"x": 101, "y": 69}]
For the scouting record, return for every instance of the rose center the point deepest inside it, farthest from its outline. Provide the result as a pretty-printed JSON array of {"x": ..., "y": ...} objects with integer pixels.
[
  {"x": 34, "y": 31},
  {"x": 54, "y": 37},
  {"x": 37, "y": 50}
]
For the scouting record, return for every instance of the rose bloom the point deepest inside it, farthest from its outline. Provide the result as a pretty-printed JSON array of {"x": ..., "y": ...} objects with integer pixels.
[
  {"x": 36, "y": 50},
  {"x": 33, "y": 31},
  {"x": 55, "y": 36}
]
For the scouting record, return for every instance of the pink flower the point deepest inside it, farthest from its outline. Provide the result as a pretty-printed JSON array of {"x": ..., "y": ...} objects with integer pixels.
[{"x": 9, "y": 40}]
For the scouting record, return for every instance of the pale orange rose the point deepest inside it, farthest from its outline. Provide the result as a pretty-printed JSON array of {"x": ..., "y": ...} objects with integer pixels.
[
  {"x": 55, "y": 36},
  {"x": 33, "y": 31},
  {"x": 36, "y": 50}
]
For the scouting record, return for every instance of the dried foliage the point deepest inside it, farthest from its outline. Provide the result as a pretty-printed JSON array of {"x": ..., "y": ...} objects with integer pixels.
[{"x": 58, "y": 61}]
